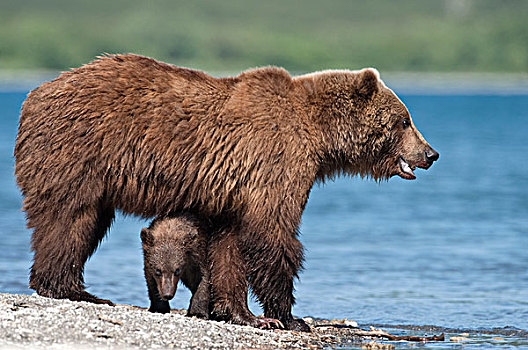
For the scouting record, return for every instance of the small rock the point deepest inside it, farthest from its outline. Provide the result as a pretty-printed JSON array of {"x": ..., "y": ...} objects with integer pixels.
[
  {"x": 377, "y": 346},
  {"x": 459, "y": 339},
  {"x": 351, "y": 323},
  {"x": 308, "y": 320}
]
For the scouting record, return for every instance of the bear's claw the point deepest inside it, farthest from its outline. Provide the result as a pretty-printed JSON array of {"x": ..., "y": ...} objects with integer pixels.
[{"x": 268, "y": 323}]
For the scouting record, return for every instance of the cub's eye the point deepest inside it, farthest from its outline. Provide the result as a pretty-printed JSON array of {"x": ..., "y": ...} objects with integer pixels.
[
  {"x": 406, "y": 123},
  {"x": 177, "y": 272},
  {"x": 157, "y": 272}
]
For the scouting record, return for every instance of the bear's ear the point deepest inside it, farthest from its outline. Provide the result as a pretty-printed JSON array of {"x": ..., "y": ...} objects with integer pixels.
[
  {"x": 146, "y": 237},
  {"x": 368, "y": 82}
]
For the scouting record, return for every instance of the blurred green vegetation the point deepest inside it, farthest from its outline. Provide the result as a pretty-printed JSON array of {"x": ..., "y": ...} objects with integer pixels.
[{"x": 231, "y": 35}]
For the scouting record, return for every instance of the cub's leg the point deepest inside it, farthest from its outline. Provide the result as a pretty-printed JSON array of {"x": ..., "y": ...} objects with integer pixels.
[{"x": 197, "y": 279}]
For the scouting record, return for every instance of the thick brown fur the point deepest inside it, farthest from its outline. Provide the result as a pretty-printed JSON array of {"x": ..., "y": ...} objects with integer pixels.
[
  {"x": 174, "y": 249},
  {"x": 128, "y": 132}
]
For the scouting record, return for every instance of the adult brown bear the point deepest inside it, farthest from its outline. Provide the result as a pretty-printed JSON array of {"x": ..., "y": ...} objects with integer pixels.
[{"x": 127, "y": 132}]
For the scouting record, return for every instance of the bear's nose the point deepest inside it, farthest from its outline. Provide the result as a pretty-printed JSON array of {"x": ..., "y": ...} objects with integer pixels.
[
  {"x": 167, "y": 296},
  {"x": 431, "y": 155}
]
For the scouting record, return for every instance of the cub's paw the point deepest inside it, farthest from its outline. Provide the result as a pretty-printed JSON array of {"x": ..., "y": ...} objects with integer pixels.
[{"x": 159, "y": 306}]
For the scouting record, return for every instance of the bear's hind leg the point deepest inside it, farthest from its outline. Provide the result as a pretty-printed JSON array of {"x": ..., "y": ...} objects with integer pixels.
[{"x": 62, "y": 243}]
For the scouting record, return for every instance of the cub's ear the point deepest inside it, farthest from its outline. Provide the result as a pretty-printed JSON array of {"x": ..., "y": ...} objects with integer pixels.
[
  {"x": 146, "y": 237},
  {"x": 368, "y": 82}
]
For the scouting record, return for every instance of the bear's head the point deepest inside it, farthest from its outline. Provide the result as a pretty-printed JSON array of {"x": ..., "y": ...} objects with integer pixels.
[
  {"x": 167, "y": 245},
  {"x": 366, "y": 128}
]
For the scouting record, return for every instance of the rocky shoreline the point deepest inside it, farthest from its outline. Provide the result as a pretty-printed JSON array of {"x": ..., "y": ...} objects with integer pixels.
[
  {"x": 31, "y": 321},
  {"x": 37, "y": 322}
]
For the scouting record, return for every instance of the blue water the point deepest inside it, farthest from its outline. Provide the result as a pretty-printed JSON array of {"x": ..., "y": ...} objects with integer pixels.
[{"x": 448, "y": 249}]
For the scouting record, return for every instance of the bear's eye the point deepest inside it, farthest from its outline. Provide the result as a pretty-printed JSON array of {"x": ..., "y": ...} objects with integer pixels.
[
  {"x": 177, "y": 272},
  {"x": 406, "y": 123},
  {"x": 157, "y": 272}
]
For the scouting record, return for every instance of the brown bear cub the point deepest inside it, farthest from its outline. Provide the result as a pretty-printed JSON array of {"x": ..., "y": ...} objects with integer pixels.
[{"x": 174, "y": 249}]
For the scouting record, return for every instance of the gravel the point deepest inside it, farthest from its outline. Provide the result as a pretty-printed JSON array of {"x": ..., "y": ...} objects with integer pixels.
[
  {"x": 31, "y": 321},
  {"x": 34, "y": 322}
]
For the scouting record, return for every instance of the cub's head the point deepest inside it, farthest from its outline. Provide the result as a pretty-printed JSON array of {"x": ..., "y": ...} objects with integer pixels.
[
  {"x": 366, "y": 128},
  {"x": 167, "y": 244}
]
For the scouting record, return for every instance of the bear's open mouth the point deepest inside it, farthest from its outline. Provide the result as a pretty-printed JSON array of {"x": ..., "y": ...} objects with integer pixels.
[{"x": 406, "y": 171}]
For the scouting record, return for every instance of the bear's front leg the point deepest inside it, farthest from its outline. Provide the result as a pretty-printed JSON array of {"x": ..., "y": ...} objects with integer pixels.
[
  {"x": 273, "y": 263},
  {"x": 229, "y": 282}
]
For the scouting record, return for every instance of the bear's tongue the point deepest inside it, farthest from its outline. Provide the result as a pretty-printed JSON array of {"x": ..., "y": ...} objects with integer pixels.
[{"x": 406, "y": 169}]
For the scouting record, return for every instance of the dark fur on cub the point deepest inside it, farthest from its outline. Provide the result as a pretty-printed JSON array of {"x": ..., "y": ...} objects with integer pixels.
[
  {"x": 174, "y": 249},
  {"x": 131, "y": 133}
]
